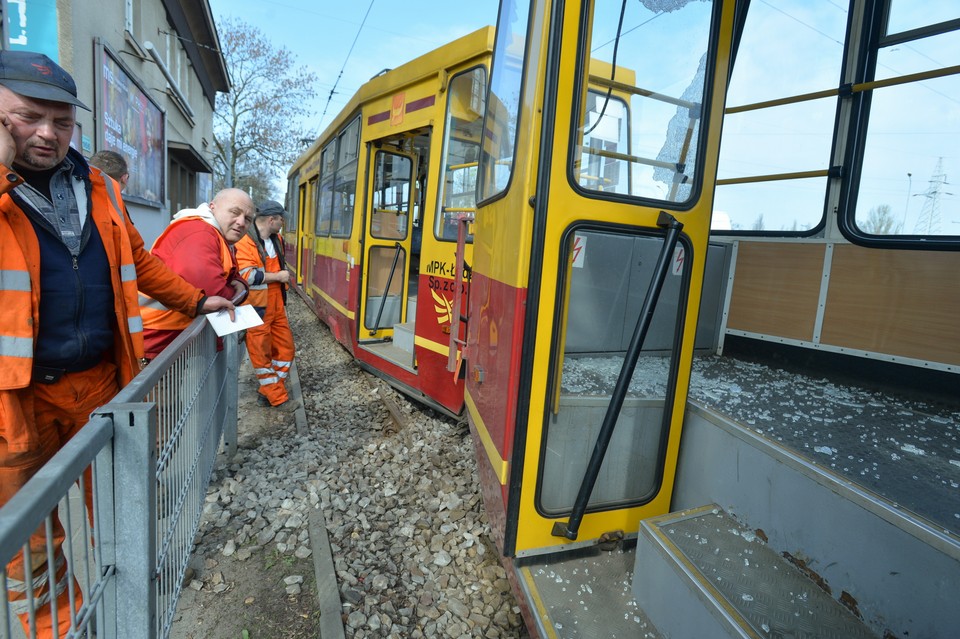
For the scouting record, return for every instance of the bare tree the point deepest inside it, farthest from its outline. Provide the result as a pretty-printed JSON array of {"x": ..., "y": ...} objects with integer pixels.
[
  {"x": 258, "y": 126},
  {"x": 880, "y": 222}
]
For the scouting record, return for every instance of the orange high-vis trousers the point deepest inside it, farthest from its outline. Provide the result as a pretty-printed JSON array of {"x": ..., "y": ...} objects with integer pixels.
[
  {"x": 271, "y": 348},
  {"x": 57, "y": 411}
]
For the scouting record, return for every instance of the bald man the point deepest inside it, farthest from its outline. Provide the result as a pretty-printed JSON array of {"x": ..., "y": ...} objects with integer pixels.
[{"x": 198, "y": 246}]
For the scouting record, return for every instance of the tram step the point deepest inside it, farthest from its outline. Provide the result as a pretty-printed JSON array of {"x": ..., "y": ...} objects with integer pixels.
[
  {"x": 699, "y": 573},
  {"x": 403, "y": 336}
]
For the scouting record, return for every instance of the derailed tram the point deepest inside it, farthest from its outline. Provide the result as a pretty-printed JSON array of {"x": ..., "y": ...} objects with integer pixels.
[{"x": 711, "y": 379}]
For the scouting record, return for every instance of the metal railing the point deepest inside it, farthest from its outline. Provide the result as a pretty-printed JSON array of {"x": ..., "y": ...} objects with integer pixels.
[{"x": 151, "y": 451}]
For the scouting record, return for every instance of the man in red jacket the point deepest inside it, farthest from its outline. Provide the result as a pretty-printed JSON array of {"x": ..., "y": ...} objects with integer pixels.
[
  {"x": 198, "y": 246},
  {"x": 70, "y": 329}
]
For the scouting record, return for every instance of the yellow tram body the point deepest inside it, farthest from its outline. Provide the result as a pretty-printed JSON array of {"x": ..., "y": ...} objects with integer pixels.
[
  {"x": 614, "y": 238},
  {"x": 377, "y": 198}
]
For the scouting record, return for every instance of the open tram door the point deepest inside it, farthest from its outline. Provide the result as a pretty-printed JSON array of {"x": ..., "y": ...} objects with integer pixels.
[
  {"x": 307, "y": 237},
  {"x": 590, "y": 241},
  {"x": 299, "y": 237},
  {"x": 388, "y": 238}
]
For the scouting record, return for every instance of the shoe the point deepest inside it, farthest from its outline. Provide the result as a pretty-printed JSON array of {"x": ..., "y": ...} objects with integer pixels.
[{"x": 263, "y": 401}]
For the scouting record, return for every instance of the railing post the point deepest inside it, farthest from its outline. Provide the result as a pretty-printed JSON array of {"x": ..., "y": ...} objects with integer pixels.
[
  {"x": 233, "y": 350},
  {"x": 105, "y": 533},
  {"x": 135, "y": 487}
]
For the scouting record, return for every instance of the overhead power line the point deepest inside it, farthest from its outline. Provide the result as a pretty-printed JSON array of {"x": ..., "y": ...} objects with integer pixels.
[{"x": 337, "y": 81}]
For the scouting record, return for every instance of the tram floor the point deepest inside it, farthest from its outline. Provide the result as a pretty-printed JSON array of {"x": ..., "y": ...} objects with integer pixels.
[{"x": 904, "y": 448}]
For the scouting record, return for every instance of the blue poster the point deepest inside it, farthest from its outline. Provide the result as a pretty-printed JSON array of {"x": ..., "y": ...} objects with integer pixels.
[{"x": 32, "y": 26}]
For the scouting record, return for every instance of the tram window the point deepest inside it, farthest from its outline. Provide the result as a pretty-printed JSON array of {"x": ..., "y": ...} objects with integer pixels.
[
  {"x": 665, "y": 96},
  {"x": 770, "y": 65},
  {"x": 324, "y": 206},
  {"x": 500, "y": 127},
  {"x": 909, "y": 152},
  {"x": 926, "y": 54},
  {"x": 607, "y": 134},
  {"x": 345, "y": 185},
  {"x": 781, "y": 207},
  {"x": 293, "y": 204},
  {"x": 391, "y": 196},
  {"x": 902, "y": 192},
  {"x": 774, "y": 160},
  {"x": 786, "y": 142},
  {"x": 461, "y": 148},
  {"x": 909, "y": 14}
]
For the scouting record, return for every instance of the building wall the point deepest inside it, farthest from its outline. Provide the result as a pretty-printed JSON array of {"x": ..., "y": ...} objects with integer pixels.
[{"x": 81, "y": 29}]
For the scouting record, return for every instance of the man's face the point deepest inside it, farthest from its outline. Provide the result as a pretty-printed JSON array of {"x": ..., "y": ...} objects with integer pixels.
[
  {"x": 40, "y": 129},
  {"x": 234, "y": 213},
  {"x": 276, "y": 223}
]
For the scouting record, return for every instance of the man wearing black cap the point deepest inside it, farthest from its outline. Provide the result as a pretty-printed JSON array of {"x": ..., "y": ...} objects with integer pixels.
[
  {"x": 70, "y": 328},
  {"x": 270, "y": 345}
]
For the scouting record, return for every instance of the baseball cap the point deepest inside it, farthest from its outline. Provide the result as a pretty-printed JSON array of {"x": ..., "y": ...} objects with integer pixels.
[
  {"x": 270, "y": 207},
  {"x": 34, "y": 75}
]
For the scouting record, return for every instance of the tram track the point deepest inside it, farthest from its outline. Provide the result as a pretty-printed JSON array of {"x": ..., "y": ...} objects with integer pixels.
[{"x": 385, "y": 488}]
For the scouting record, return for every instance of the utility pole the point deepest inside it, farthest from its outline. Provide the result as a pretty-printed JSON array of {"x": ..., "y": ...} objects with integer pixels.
[
  {"x": 906, "y": 207},
  {"x": 929, "y": 221}
]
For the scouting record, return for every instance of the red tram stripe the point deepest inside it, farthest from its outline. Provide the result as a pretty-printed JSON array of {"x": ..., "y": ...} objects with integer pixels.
[
  {"x": 416, "y": 105},
  {"x": 378, "y": 117},
  {"x": 422, "y": 103}
]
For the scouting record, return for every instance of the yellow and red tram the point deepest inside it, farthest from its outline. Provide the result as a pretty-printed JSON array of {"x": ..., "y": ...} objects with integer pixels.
[
  {"x": 540, "y": 229},
  {"x": 377, "y": 199}
]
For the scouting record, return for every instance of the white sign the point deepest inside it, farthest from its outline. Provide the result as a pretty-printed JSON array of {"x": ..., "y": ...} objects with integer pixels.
[{"x": 579, "y": 250}]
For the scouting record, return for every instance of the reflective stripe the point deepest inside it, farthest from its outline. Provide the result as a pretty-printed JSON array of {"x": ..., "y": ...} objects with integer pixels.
[
  {"x": 128, "y": 273},
  {"x": 14, "y": 281},
  {"x": 16, "y": 346},
  {"x": 282, "y": 374},
  {"x": 113, "y": 196},
  {"x": 263, "y": 371},
  {"x": 135, "y": 324},
  {"x": 22, "y": 606},
  {"x": 266, "y": 381},
  {"x": 281, "y": 364},
  {"x": 257, "y": 287},
  {"x": 149, "y": 302}
]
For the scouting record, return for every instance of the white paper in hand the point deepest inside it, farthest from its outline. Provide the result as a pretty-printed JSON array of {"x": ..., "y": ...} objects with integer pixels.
[{"x": 246, "y": 317}]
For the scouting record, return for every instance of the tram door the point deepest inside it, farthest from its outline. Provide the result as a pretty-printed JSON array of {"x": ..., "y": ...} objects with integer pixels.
[
  {"x": 616, "y": 187},
  {"x": 299, "y": 238},
  {"x": 387, "y": 235},
  {"x": 306, "y": 237}
]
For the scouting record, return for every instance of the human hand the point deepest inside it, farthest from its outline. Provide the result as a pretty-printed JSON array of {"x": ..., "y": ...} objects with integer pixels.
[
  {"x": 8, "y": 146},
  {"x": 241, "y": 291},
  {"x": 217, "y": 303}
]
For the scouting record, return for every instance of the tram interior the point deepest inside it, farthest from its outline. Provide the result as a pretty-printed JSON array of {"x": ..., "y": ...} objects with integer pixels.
[{"x": 890, "y": 427}]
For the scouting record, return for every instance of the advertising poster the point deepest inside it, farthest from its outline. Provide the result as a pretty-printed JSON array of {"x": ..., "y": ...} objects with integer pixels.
[{"x": 133, "y": 126}]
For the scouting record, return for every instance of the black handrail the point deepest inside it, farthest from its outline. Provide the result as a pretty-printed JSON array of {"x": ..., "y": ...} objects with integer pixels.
[
  {"x": 571, "y": 528},
  {"x": 383, "y": 298}
]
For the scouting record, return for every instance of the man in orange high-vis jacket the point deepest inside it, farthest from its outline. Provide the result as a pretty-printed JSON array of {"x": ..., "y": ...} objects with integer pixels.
[
  {"x": 261, "y": 261},
  {"x": 70, "y": 329},
  {"x": 198, "y": 246}
]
